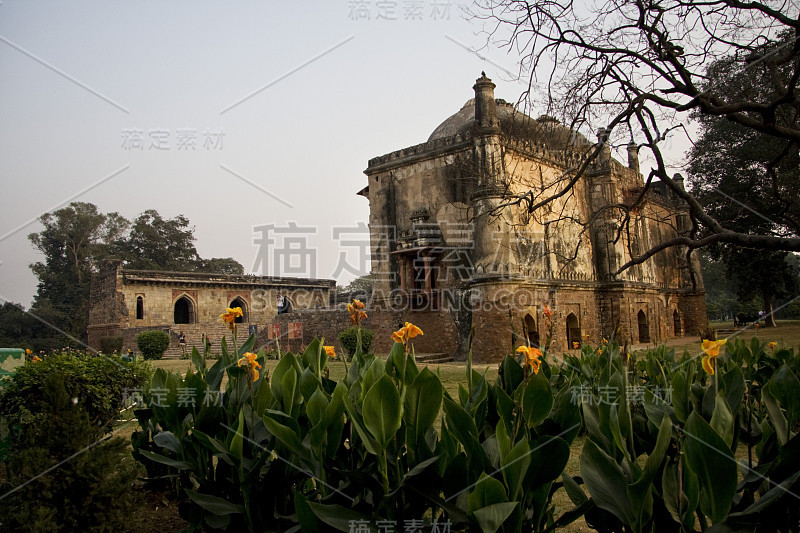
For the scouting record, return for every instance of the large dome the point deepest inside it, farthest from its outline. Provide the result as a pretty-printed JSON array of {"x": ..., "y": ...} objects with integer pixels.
[{"x": 514, "y": 124}]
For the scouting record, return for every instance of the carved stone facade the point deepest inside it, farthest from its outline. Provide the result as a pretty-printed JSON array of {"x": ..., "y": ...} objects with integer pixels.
[
  {"x": 126, "y": 302},
  {"x": 450, "y": 253}
]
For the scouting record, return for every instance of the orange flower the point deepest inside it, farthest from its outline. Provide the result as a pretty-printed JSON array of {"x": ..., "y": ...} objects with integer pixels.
[
  {"x": 547, "y": 312},
  {"x": 406, "y": 333},
  {"x": 772, "y": 345},
  {"x": 532, "y": 356},
  {"x": 330, "y": 351},
  {"x": 249, "y": 359},
  {"x": 712, "y": 352},
  {"x": 356, "y": 312},
  {"x": 575, "y": 345},
  {"x": 36, "y": 359},
  {"x": 27, "y": 351},
  {"x": 229, "y": 317}
]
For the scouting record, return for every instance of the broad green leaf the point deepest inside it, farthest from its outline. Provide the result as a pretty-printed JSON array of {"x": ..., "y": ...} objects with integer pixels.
[
  {"x": 515, "y": 465},
  {"x": 512, "y": 374},
  {"x": 180, "y": 465},
  {"x": 198, "y": 361},
  {"x": 168, "y": 440},
  {"x": 382, "y": 410},
  {"x": 287, "y": 364},
  {"x": 548, "y": 458},
  {"x": 342, "y": 518},
  {"x": 732, "y": 382},
  {"x": 287, "y": 437},
  {"x": 315, "y": 408},
  {"x": 681, "y": 391},
  {"x": 306, "y": 517},
  {"x": 309, "y": 383},
  {"x": 247, "y": 346},
  {"x": 491, "y": 517},
  {"x": 537, "y": 399},
  {"x": 487, "y": 491},
  {"x": 314, "y": 356},
  {"x": 422, "y": 404},
  {"x": 573, "y": 490},
  {"x": 503, "y": 441},
  {"x": 681, "y": 504},
  {"x": 375, "y": 371},
  {"x": 606, "y": 482},
  {"x": 713, "y": 463},
  {"x": 779, "y": 422},
  {"x": 357, "y": 421},
  {"x": 785, "y": 387},
  {"x": 237, "y": 441},
  {"x": 214, "y": 504},
  {"x": 291, "y": 394},
  {"x": 722, "y": 420}
]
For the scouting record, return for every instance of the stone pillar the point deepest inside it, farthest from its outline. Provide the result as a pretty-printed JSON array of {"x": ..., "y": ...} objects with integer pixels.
[
  {"x": 633, "y": 156},
  {"x": 485, "y": 107}
]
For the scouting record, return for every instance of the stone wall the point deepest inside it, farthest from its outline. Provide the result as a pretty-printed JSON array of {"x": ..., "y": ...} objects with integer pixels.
[{"x": 115, "y": 291}]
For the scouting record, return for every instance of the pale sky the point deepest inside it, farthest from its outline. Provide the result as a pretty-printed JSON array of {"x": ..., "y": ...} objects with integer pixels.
[{"x": 283, "y": 103}]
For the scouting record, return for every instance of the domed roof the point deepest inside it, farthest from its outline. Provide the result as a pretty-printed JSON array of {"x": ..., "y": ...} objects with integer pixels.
[{"x": 513, "y": 123}]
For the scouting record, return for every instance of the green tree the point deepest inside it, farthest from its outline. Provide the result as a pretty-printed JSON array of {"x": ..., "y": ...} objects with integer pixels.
[
  {"x": 750, "y": 182},
  {"x": 220, "y": 265},
  {"x": 73, "y": 240},
  {"x": 155, "y": 243}
]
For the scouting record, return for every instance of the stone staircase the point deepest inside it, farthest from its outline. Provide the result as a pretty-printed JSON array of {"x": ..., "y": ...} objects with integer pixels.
[
  {"x": 194, "y": 337},
  {"x": 432, "y": 358}
]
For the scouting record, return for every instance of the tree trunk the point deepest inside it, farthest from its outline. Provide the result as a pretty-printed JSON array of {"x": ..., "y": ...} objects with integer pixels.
[{"x": 769, "y": 320}]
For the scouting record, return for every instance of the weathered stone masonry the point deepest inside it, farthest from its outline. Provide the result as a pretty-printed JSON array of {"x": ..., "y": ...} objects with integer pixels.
[{"x": 126, "y": 302}]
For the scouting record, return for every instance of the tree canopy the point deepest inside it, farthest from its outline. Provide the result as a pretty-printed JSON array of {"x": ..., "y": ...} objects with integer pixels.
[
  {"x": 642, "y": 71},
  {"x": 73, "y": 241}
]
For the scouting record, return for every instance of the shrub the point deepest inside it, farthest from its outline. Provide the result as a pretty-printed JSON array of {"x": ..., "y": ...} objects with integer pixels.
[
  {"x": 152, "y": 343},
  {"x": 57, "y": 411},
  {"x": 111, "y": 344},
  {"x": 349, "y": 339}
]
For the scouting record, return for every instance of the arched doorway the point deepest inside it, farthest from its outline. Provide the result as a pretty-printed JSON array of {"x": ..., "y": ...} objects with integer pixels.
[
  {"x": 573, "y": 331},
  {"x": 644, "y": 328},
  {"x": 184, "y": 311},
  {"x": 139, "y": 308},
  {"x": 239, "y": 302},
  {"x": 676, "y": 323},
  {"x": 531, "y": 332}
]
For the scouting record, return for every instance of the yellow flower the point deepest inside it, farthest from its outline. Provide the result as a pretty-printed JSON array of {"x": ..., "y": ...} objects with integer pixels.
[
  {"x": 229, "y": 317},
  {"x": 249, "y": 359},
  {"x": 532, "y": 356},
  {"x": 406, "y": 333},
  {"x": 330, "y": 351},
  {"x": 36, "y": 359},
  {"x": 576, "y": 345},
  {"x": 27, "y": 351},
  {"x": 604, "y": 341},
  {"x": 712, "y": 352},
  {"x": 356, "y": 312},
  {"x": 772, "y": 345}
]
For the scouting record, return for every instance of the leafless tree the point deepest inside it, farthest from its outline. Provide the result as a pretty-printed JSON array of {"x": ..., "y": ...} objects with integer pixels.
[{"x": 640, "y": 70}]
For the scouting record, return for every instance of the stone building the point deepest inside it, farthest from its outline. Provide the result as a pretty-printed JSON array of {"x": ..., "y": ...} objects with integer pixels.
[
  {"x": 126, "y": 302},
  {"x": 450, "y": 251}
]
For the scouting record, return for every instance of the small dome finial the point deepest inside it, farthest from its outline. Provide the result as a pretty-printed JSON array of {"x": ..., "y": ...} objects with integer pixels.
[{"x": 483, "y": 73}]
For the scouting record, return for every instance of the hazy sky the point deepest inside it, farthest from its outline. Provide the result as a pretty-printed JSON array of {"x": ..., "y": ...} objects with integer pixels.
[{"x": 236, "y": 115}]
